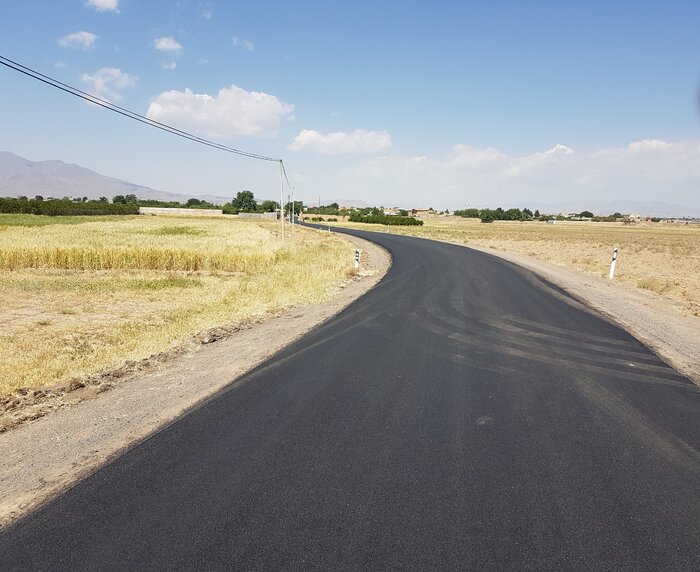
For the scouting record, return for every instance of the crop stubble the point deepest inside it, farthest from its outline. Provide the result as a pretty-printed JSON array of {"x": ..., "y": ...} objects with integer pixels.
[{"x": 86, "y": 297}]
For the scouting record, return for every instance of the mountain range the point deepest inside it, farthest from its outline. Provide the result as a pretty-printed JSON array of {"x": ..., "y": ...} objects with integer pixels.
[{"x": 22, "y": 177}]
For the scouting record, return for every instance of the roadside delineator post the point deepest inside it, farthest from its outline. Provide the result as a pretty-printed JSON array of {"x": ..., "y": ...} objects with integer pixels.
[
  {"x": 612, "y": 264},
  {"x": 357, "y": 259}
]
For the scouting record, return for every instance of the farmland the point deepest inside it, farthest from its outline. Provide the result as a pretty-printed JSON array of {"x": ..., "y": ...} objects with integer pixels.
[
  {"x": 663, "y": 259},
  {"x": 83, "y": 295}
]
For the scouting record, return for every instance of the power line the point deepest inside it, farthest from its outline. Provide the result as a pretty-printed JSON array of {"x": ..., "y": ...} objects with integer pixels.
[
  {"x": 284, "y": 172},
  {"x": 133, "y": 115}
]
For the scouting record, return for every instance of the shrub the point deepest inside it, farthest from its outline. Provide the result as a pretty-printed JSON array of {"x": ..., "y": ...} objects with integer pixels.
[{"x": 386, "y": 220}]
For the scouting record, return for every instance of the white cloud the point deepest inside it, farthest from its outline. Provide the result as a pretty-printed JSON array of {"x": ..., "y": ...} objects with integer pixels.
[
  {"x": 359, "y": 142},
  {"x": 80, "y": 40},
  {"x": 466, "y": 155},
  {"x": 245, "y": 44},
  {"x": 232, "y": 112},
  {"x": 167, "y": 44},
  {"x": 559, "y": 154},
  {"x": 106, "y": 83},
  {"x": 647, "y": 170},
  {"x": 169, "y": 65},
  {"x": 104, "y": 5}
]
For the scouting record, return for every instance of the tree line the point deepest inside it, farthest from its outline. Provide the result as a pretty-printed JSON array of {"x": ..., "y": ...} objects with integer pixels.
[
  {"x": 489, "y": 215},
  {"x": 129, "y": 204},
  {"x": 65, "y": 206},
  {"x": 389, "y": 220}
]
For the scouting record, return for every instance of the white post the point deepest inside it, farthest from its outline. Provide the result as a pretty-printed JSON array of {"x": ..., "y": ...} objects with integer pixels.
[
  {"x": 292, "y": 210},
  {"x": 357, "y": 259},
  {"x": 612, "y": 264}
]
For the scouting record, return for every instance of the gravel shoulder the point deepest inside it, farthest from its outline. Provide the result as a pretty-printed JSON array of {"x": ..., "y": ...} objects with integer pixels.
[{"x": 77, "y": 432}]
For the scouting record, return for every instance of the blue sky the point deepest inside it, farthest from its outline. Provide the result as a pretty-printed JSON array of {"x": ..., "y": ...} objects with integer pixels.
[{"x": 438, "y": 104}]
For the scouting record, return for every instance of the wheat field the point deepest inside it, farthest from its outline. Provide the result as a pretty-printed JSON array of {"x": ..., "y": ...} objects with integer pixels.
[
  {"x": 83, "y": 296},
  {"x": 661, "y": 258}
]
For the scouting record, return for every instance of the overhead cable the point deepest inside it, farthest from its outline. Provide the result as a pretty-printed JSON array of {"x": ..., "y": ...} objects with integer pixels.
[{"x": 133, "y": 115}]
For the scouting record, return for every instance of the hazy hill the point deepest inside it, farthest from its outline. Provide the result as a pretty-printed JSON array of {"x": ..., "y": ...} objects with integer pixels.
[{"x": 22, "y": 177}]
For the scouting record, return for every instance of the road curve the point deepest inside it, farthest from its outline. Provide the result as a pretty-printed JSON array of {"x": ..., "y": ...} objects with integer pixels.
[{"x": 462, "y": 414}]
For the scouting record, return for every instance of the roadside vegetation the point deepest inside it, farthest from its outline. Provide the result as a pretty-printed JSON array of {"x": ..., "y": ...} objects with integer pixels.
[
  {"x": 128, "y": 205},
  {"x": 662, "y": 258},
  {"x": 63, "y": 207},
  {"x": 85, "y": 295},
  {"x": 385, "y": 219}
]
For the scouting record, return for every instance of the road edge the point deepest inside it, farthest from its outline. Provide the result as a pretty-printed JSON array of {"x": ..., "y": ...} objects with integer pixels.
[{"x": 41, "y": 459}]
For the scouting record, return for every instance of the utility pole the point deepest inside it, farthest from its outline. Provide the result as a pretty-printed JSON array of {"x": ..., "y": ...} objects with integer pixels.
[
  {"x": 282, "y": 198},
  {"x": 292, "y": 210}
]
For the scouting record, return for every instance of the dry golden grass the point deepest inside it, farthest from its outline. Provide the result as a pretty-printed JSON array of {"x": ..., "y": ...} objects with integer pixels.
[
  {"x": 657, "y": 257},
  {"x": 80, "y": 299}
]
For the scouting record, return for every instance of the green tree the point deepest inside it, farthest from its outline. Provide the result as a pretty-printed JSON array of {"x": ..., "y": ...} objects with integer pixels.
[
  {"x": 467, "y": 213},
  {"x": 586, "y": 214},
  {"x": 269, "y": 206},
  {"x": 487, "y": 215},
  {"x": 244, "y": 202},
  {"x": 513, "y": 214}
]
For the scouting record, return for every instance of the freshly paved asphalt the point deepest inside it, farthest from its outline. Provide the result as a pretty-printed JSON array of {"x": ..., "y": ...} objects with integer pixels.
[{"x": 462, "y": 415}]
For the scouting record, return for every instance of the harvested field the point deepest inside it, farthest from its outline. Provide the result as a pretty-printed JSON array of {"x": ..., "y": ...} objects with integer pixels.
[
  {"x": 84, "y": 296},
  {"x": 660, "y": 258}
]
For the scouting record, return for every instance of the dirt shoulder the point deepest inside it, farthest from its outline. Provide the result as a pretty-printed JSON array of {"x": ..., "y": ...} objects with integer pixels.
[
  {"x": 655, "y": 321},
  {"x": 45, "y": 456}
]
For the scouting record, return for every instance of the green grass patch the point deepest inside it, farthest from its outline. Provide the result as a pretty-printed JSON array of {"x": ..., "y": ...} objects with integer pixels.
[{"x": 178, "y": 230}]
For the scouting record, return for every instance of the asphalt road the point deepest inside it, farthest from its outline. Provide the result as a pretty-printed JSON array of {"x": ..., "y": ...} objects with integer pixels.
[{"x": 463, "y": 414}]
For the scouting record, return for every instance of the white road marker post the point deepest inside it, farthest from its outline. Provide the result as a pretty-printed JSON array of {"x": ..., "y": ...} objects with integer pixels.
[
  {"x": 612, "y": 264},
  {"x": 357, "y": 259}
]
